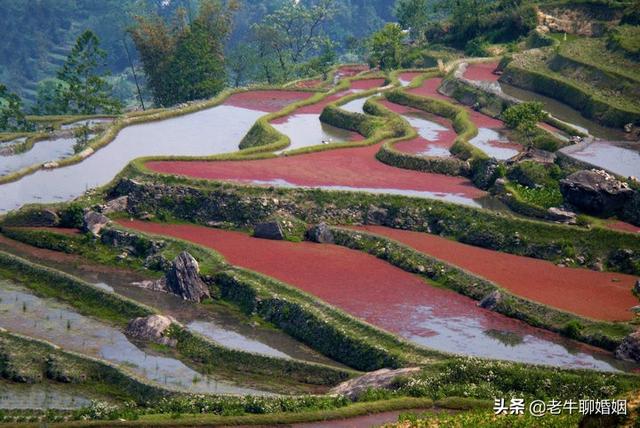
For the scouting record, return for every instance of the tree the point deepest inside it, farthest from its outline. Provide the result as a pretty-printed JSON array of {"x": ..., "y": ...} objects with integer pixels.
[
  {"x": 524, "y": 117},
  {"x": 85, "y": 91},
  {"x": 413, "y": 15},
  {"x": 293, "y": 34},
  {"x": 241, "y": 61},
  {"x": 386, "y": 47},
  {"x": 185, "y": 61},
  {"x": 12, "y": 117}
]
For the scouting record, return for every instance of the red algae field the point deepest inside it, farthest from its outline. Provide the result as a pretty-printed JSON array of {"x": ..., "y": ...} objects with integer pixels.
[
  {"x": 482, "y": 71},
  {"x": 344, "y": 169},
  {"x": 266, "y": 101},
  {"x": 387, "y": 297},
  {"x": 579, "y": 291}
]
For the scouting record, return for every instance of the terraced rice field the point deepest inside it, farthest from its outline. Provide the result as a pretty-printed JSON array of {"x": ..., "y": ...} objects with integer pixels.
[{"x": 388, "y": 297}]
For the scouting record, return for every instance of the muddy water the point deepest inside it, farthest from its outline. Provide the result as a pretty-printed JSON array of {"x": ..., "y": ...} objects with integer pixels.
[
  {"x": 306, "y": 130},
  {"x": 392, "y": 299},
  {"x": 494, "y": 144},
  {"x": 202, "y": 133},
  {"x": 618, "y": 157},
  {"x": 15, "y": 396},
  {"x": 218, "y": 322},
  {"x": 564, "y": 112},
  {"x": 24, "y": 313},
  {"x": 42, "y": 151}
]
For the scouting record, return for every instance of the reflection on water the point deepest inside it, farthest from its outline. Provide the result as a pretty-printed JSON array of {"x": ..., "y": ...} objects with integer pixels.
[
  {"x": 564, "y": 113},
  {"x": 17, "y": 396},
  {"x": 355, "y": 106},
  {"x": 215, "y": 130},
  {"x": 42, "y": 151},
  {"x": 618, "y": 157},
  {"x": 494, "y": 144},
  {"x": 22, "y": 312},
  {"x": 306, "y": 130},
  {"x": 430, "y": 131},
  {"x": 220, "y": 323},
  {"x": 86, "y": 122}
]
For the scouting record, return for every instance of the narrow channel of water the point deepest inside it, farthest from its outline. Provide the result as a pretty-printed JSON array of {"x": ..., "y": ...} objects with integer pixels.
[
  {"x": 494, "y": 144},
  {"x": 215, "y": 130},
  {"x": 24, "y": 313}
]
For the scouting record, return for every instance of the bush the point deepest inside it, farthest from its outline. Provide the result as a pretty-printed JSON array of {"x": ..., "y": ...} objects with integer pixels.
[
  {"x": 532, "y": 174},
  {"x": 524, "y": 116},
  {"x": 572, "y": 329},
  {"x": 72, "y": 216}
]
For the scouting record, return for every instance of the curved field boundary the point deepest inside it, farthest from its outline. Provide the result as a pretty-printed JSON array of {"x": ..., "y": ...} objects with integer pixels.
[
  {"x": 605, "y": 334},
  {"x": 137, "y": 118},
  {"x": 590, "y": 105},
  {"x": 137, "y": 388},
  {"x": 91, "y": 300}
]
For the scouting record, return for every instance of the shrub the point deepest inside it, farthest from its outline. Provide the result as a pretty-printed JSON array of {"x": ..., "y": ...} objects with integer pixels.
[
  {"x": 572, "y": 329},
  {"x": 524, "y": 116},
  {"x": 72, "y": 216},
  {"x": 532, "y": 174}
]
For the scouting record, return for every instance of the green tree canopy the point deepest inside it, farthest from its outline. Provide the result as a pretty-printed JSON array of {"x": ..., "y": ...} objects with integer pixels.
[
  {"x": 85, "y": 91},
  {"x": 414, "y": 15},
  {"x": 12, "y": 117},
  {"x": 386, "y": 47},
  {"x": 185, "y": 60},
  {"x": 524, "y": 116}
]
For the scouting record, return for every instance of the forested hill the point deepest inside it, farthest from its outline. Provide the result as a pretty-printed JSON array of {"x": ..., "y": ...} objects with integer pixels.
[{"x": 37, "y": 35}]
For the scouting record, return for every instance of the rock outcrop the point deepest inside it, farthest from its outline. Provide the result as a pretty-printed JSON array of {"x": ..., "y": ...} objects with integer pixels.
[
  {"x": 183, "y": 279},
  {"x": 491, "y": 300},
  {"x": 629, "y": 349},
  {"x": 116, "y": 205},
  {"x": 383, "y": 378},
  {"x": 94, "y": 222},
  {"x": 34, "y": 218},
  {"x": 269, "y": 230},
  {"x": 563, "y": 216},
  {"x": 595, "y": 192},
  {"x": 152, "y": 328},
  {"x": 321, "y": 234}
]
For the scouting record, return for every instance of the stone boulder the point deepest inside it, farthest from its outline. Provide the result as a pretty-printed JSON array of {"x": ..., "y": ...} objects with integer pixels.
[
  {"x": 383, "y": 378},
  {"x": 629, "y": 349},
  {"x": 595, "y": 192},
  {"x": 116, "y": 205},
  {"x": 563, "y": 216},
  {"x": 152, "y": 328},
  {"x": 183, "y": 279},
  {"x": 321, "y": 234},
  {"x": 636, "y": 287},
  {"x": 377, "y": 215},
  {"x": 269, "y": 230},
  {"x": 485, "y": 172},
  {"x": 491, "y": 300},
  {"x": 94, "y": 222}
]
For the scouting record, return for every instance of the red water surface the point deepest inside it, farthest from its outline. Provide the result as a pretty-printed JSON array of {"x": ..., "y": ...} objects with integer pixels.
[
  {"x": 482, "y": 71},
  {"x": 623, "y": 226},
  {"x": 419, "y": 144},
  {"x": 316, "y": 108},
  {"x": 351, "y": 70},
  {"x": 429, "y": 88},
  {"x": 267, "y": 101},
  {"x": 598, "y": 295},
  {"x": 352, "y": 167}
]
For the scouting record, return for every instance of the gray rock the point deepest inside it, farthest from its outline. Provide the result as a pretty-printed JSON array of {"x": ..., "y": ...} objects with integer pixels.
[
  {"x": 157, "y": 285},
  {"x": 383, "y": 378},
  {"x": 94, "y": 222},
  {"x": 629, "y": 349},
  {"x": 595, "y": 192},
  {"x": 485, "y": 172},
  {"x": 491, "y": 300},
  {"x": 152, "y": 328},
  {"x": 321, "y": 234},
  {"x": 269, "y": 230},
  {"x": 558, "y": 214},
  {"x": 183, "y": 279},
  {"x": 377, "y": 215},
  {"x": 636, "y": 287},
  {"x": 116, "y": 205}
]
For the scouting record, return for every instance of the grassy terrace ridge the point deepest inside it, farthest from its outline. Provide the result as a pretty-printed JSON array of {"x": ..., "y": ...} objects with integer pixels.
[
  {"x": 607, "y": 335},
  {"x": 194, "y": 349}
]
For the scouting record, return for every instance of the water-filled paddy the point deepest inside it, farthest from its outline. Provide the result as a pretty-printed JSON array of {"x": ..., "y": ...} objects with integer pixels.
[
  {"x": 16, "y": 396},
  {"x": 598, "y": 295},
  {"x": 618, "y": 157},
  {"x": 306, "y": 130},
  {"x": 495, "y": 144},
  {"x": 41, "y": 152},
  {"x": 24, "y": 313},
  {"x": 390, "y": 298},
  {"x": 86, "y": 122},
  {"x": 218, "y": 322},
  {"x": 198, "y": 134},
  {"x": 343, "y": 169}
]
